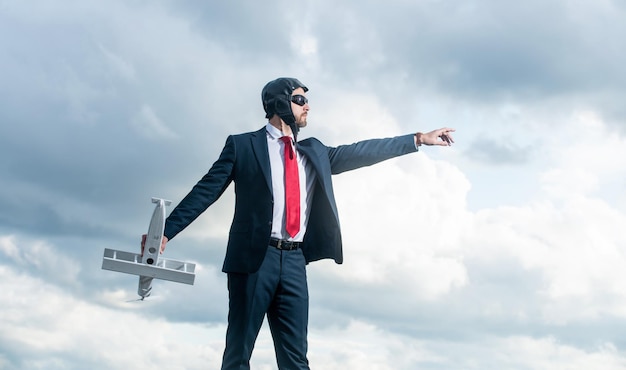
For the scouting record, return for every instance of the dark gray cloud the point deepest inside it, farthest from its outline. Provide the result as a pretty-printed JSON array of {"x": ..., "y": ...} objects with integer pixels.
[
  {"x": 72, "y": 127},
  {"x": 477, "y": 51},
  {"x": 248, "y": 28}
]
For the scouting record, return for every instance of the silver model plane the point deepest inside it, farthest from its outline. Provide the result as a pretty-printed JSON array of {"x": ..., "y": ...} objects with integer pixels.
[{"x": 150, "y": 265}]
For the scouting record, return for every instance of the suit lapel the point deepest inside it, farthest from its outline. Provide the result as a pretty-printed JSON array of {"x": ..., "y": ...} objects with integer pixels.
[
  {"x": 305, "y": 148},
  {"x": 259, "y": 147},
  {"x": 315, "y": 155}
]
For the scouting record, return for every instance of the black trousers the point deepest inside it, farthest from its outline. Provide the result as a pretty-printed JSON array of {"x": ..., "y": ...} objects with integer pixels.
[{"x": 279, "y": 289}]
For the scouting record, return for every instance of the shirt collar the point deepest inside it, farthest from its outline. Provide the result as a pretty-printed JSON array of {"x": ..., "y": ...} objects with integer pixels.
[{"x": 273, "y": 132}]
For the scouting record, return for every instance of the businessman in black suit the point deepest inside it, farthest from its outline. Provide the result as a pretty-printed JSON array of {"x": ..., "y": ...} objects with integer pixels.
[{"x": 279, "y": 227}]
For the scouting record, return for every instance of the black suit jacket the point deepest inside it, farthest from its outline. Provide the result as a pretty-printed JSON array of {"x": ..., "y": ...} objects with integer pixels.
[{"x": 245, "y": 161}]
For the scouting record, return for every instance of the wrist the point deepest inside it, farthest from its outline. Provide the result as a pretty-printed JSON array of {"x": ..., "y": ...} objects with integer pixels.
[{"x": 418, "y": 139}]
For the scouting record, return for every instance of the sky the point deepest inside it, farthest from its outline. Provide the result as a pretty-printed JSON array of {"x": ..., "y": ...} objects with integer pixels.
[{"x": 503, "y": 251}]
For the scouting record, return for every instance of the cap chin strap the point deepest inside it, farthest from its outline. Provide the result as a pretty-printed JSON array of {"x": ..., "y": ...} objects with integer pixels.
[
  {"x": 294, "y": 129},
  {"x": 282, "y": 108},
  {"x": 290, "y": 120}
]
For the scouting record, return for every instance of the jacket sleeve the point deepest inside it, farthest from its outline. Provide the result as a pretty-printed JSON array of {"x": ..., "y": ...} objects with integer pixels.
[
  {"x": 204, "y": 193},
  {"x": 366, "y": 153}
]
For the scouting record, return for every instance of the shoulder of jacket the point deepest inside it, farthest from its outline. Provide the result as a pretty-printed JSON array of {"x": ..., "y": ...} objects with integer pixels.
[
  {"x": 250, "y": 133},
  {"x": 310, "y": 141}
]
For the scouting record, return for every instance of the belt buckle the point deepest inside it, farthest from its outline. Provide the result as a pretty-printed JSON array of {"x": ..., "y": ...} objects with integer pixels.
[{"x": 279, "y": 244}]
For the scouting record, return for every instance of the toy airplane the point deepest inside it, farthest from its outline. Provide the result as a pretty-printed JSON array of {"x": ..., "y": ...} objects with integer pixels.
[{"x": 149, "y": 266}]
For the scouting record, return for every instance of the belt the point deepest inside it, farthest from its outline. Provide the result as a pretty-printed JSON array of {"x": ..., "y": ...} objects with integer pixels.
[{"x": 284, "y": 244}]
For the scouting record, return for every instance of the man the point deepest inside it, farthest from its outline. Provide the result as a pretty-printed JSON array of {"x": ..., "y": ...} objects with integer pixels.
[{"x": 285, "y": 217}]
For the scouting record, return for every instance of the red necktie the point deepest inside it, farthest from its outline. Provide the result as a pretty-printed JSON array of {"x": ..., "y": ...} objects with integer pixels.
[{"x": 292, "y": 189}]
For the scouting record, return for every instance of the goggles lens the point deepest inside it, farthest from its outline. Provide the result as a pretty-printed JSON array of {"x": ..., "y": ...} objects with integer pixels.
[{"x": 299, "y": 99}]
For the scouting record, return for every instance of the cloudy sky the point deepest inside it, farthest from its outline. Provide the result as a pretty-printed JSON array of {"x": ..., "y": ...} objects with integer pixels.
[{"x": 504, "y": 251}]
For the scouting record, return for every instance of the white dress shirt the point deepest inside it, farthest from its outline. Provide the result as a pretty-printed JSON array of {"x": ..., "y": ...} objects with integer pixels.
[{"x": 307, "y": 177}]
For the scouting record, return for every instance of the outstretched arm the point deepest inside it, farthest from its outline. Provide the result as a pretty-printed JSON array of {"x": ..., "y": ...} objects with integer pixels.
[{"x": 440, "y": 136}]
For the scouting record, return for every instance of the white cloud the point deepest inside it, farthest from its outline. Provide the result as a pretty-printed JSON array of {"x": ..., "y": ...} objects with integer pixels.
[
  {"x": 530, "y": 277},
  {"x": 363, "y": 346},
  {"x": 402, "y": 225},
  {"x": 44, "y": 326},
  {"x": 548, "y": 353},
  {"x": 587, "y": 154},
  {"x": 41, "y": 257}
]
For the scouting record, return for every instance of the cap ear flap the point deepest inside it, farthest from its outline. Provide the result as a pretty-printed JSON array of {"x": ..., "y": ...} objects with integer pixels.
[
  {"x": 270, "y": 108},
  {"x": 273, "y": 106},
  {"x": 282, "y": 107}
]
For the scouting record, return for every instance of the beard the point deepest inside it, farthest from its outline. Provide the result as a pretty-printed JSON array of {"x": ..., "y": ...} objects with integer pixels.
[{"x": 301, "y": 120}]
